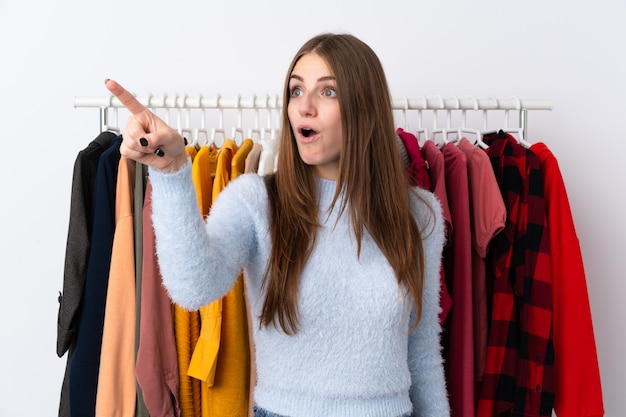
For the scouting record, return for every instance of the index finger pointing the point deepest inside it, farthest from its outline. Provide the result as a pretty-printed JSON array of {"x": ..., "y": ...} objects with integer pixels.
[{"x": 128, "y": 100}]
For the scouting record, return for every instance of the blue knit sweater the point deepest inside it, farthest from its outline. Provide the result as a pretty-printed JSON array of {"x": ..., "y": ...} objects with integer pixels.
[{"x": 353, "y": 354}]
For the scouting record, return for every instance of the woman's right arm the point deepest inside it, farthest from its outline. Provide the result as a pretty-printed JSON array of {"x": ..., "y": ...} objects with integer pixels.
[{"x": 199, "y": 262}]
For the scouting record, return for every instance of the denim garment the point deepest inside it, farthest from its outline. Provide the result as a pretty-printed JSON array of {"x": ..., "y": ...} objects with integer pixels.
[{"x": 260, "y": 412}]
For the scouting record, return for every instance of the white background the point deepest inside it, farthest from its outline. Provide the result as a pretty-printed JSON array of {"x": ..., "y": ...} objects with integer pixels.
[{"x": 571, "y": 52}]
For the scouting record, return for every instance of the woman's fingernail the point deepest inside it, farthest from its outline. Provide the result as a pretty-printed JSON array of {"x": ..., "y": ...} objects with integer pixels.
[
  {"x": 159, "y": 152},
  {"x": 106, "y": 80},
  {"x": 143, "y": 142}
]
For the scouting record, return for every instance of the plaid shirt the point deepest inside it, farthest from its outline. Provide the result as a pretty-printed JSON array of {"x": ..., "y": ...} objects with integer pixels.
[{"x": 519, "y": 374}]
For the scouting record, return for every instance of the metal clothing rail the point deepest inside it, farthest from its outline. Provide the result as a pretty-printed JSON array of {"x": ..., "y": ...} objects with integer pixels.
[
  {"x": 267, "y": 102},
  {"x": 275, "y": 102}
]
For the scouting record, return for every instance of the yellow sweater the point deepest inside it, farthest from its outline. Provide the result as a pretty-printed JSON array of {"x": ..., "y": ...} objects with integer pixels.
[
  {"x": 221, "y": 358},
  {"x": 186, "y": 333}
]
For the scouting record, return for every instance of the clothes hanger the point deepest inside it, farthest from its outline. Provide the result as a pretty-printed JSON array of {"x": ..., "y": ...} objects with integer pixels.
[
  {"x": 184, "y": 129},
  {"x": 519, "y": 131},
  {"x": 215, "y": 131},
  {"x": 238, "y": 128},
  {"x": 485, "y": 131},
  {"x": 437, "y": 130},
  {"x": 275, "y": 127},
  {"x": 265, "y": 132},
  {"x": 200, "y": 131},
  {"x": 421, "y": 130},
  {"x": 255, "y": 131},
  {"x": 104, "y": 118},
  {"x": 449, "y": 130},
  {"x": 405, "y": 124},
  {"x": 476, "y": 132}
]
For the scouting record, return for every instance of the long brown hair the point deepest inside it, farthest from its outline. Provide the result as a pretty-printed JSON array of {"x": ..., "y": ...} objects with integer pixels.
[{"x": 371, "y": 176}]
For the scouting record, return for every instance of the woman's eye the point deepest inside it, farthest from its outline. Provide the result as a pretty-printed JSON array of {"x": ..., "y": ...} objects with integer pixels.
[
  {"x": 296, "y": 92},
  {"x": 329, "y": 92}
]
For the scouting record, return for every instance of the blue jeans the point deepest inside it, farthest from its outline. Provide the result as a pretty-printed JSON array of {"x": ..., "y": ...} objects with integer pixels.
[{"x": 260, "y": 412}]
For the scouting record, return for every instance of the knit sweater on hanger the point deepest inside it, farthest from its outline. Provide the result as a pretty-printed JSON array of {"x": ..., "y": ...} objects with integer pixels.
[{"x": 353, "y": 354}]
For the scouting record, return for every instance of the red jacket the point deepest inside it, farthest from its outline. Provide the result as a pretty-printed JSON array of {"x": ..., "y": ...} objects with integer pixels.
[{"x": 578, "y": 387}]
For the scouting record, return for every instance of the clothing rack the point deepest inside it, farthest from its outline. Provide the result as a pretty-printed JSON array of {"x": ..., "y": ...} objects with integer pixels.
[{"x": 182, "y": 103}]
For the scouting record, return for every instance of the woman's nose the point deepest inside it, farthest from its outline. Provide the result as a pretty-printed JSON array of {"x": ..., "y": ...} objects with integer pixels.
[{"x": 307, "y": 105}]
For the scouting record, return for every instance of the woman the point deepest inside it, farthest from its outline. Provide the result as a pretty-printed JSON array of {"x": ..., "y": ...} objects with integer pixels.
[{"x": 341, "y": 256}]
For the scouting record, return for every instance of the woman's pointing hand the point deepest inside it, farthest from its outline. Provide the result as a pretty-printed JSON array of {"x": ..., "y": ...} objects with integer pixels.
[{"x": 147, "y": 138}]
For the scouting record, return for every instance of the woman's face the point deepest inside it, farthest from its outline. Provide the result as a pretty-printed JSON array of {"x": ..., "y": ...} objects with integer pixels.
[{"x": 314, "y": 115}]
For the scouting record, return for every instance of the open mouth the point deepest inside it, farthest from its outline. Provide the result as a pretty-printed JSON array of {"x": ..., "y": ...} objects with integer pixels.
[{"x": 306, "y": 132}]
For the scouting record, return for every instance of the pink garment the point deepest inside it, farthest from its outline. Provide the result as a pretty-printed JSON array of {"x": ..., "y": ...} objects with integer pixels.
[
  {"x": 488, "y": 216},
  {"x": 157, "y": 363},
  {"x": 458, "y": 331},
  {"x": 417, "y": 171},
  {"x": 433, "y": 156}
]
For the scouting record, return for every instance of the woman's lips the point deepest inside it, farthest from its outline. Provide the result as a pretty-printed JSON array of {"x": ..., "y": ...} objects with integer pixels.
[{"x": 306, "y": 132}]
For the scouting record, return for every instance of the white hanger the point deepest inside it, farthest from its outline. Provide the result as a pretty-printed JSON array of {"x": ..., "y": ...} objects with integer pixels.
[
  {"x": 184, "y": 129},
  {"x": 449, "y": 129},
  {"x": 219, "y": 130},
  {"x": 475, "y": 132},
  {"x": 104, "y": 117},
  {"x": 421, "y": 130},
  {"x": 518, "y": 131},
  {"x": 255, "y": 131},
  {"x": 437, "y": 130},
  {"x": 405, "y": 124},
  {"x": 238, "y": 128},
  {"x": 484, "y": 132},
  {"x": 195, "y": 142},
  {"x": 275, "y": 127}
]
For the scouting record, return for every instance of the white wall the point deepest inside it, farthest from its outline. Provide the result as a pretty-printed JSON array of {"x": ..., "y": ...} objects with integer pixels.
[{"x": 569, "y": 52}]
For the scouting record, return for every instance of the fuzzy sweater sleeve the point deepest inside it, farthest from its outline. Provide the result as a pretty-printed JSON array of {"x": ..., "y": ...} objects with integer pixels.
[
  {"x": 199, "y": 260},
  {"x": 428, "y": 387}
]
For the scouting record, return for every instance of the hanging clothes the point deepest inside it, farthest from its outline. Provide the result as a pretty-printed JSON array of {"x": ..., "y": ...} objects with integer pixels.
[
  {"x": 223, "y": 344},
  {"x": 141, "y": 176},
  {"x": 529, "y": 322},
  {"x": 157, "y": 364},
  {"x": 79, "y": 237},
  {"x": 117, "y": 394},
  {"x": 203, "y": 170},
  {"x": 86, "y": 361},
  {"x": 457, "y": 336},
  {"x": 238, "y": 164},
  {"x": 578, "y": 384},
  {"x": 519, "y": 372},
  {"x": 187, "y": 333},
  {"x": 434, "y": 157},
  {"x": 269, "y": 154},
  {"x": 252, "y": 160},
  {"x": 204, "y": 358},
  {"x": 417, "y": 170},
  {"x": 487, "y": 219}
]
